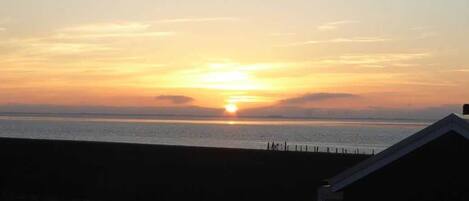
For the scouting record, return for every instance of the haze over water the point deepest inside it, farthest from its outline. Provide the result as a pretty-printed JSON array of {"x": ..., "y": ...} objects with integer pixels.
[{"x": 213, "y": 132}]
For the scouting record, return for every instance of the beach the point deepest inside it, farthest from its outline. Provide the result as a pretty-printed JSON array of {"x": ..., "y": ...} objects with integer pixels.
[{"x": 83, "y": 170}]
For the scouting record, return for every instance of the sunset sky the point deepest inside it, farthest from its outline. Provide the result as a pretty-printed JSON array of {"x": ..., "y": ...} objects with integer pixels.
[{"x": 257, "y": 53}]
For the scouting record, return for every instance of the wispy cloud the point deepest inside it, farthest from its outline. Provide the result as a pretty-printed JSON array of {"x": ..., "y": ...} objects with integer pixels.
[
  {"x": 462, "y": 70},
  {"x": 283, "y": 34},
  {"x": 426, "y": 35},
  {"x": 175, "y": 99},
  {"x": 67, "y": 48},
  {"x": 316, "y": 97},
  {"x": 335, "y": 25},
  {"x": 2, "y": 29},
  {"x": 189, "y": 20},
  {"x": 434, "y": 84},
  {"x": 109, "y": 27},
  {"x": 87, "y": 38},
  {"x": 424, "y": 32},
  {"x": 372, "y": 59},
  {"x": 107, "y": 30},
  {"x": 114, "y": 35},
  {"x": 420, "y": 28},
  {"x": 6, "y": 20},
  {"x": 341, "y": 40}
]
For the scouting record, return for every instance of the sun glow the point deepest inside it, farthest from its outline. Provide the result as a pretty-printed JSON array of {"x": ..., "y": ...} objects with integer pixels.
[{"x": 231, "y": 108}]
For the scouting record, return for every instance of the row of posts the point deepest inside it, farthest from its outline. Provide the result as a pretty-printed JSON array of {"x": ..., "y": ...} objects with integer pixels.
[{"x": 272, "y": 146}]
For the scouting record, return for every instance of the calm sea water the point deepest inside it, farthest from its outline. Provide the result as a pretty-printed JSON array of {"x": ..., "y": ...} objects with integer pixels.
[{"x": 211, "y": 132}]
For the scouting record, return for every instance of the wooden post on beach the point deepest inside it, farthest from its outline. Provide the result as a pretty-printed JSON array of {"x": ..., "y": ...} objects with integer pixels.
[
  {"x": 285, "y": 146},
  {"x": 306, "y": 148},
  {"x": 327, "y": 149},
  {"x": 296, "y": 147},
  {"x": 268, "y": 145}
]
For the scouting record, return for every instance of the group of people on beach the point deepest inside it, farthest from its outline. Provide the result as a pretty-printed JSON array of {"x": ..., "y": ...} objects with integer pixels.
[
  {"x": 273, "y": 146},
  {"x": 276, "y": 146}
]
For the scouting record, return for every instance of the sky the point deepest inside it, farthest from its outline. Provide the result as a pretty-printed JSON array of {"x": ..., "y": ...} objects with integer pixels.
[{"x": 327, "y": 54}]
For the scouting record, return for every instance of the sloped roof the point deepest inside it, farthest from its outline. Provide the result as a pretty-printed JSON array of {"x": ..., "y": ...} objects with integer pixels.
[{"x": 454, "y": 122}]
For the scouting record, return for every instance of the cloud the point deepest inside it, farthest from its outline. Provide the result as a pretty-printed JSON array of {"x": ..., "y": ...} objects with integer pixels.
[
  {"x": 464, "y": 70},
  {"x": 283, "y": 34},
  {"x": 117, "y": 35},
  {"x": 316, "y": 97},
  {"x": 189, "y": 20},
  {"x": 2, "y": 29},
  {"x": 393, "y": 59},
  {"x": 85, "y": 38},
  {"x": 109, "y": 27},
  {"x": 110, "y": 30},
  {"x": 431, "y": 84},
  {"x": 424, "y": 32},
  {"x": 67, "y": 48},
  {"x": 341, "y": 40},
  {"x": 426, "y": 35},
  {"x": 175, "y": 99},
  {"x": 6, "y": 20},
  {"x": 335, "y": 25}
]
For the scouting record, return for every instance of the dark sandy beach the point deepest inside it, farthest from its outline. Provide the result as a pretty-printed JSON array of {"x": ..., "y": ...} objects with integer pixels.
[{"x": 73, "y": 170}]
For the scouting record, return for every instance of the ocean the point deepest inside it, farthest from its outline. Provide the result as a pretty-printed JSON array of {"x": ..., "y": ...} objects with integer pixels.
[{"x": 248, "y": 133}]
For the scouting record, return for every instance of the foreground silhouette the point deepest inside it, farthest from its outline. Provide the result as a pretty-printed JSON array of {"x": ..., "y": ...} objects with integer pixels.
[{"x": 70, "y": 170}]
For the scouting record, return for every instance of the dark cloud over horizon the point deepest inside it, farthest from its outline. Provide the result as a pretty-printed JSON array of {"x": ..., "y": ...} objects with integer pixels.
[
  {"x": 175, "y": 99},
  {"x": 315, "y": 97}
]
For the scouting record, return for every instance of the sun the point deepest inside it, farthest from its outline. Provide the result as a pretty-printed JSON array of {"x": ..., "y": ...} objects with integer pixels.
[{"x": 231, "y": 108}]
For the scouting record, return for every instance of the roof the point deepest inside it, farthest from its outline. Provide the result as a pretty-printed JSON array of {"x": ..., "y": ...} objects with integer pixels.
[{"x": 454, "y": 122}]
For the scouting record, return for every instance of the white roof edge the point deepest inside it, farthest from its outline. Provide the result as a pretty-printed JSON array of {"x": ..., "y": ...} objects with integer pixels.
[{"x": 453, "y": 122}]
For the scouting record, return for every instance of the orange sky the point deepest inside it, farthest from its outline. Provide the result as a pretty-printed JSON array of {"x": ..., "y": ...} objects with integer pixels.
[{"x": 249, "y": 53}]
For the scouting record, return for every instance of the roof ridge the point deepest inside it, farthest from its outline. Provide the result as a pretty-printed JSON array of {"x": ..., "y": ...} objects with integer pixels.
[{"x": 387, "y": 155}]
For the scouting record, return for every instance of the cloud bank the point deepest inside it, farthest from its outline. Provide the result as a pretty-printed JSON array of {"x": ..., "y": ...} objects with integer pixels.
[
  {"x": 175, "y": 99},
  {"x": 315, "y": 97}
]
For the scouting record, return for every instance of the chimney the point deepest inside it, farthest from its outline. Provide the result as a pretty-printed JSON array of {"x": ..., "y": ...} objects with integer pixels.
[{"x": 465, "y": 109}]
